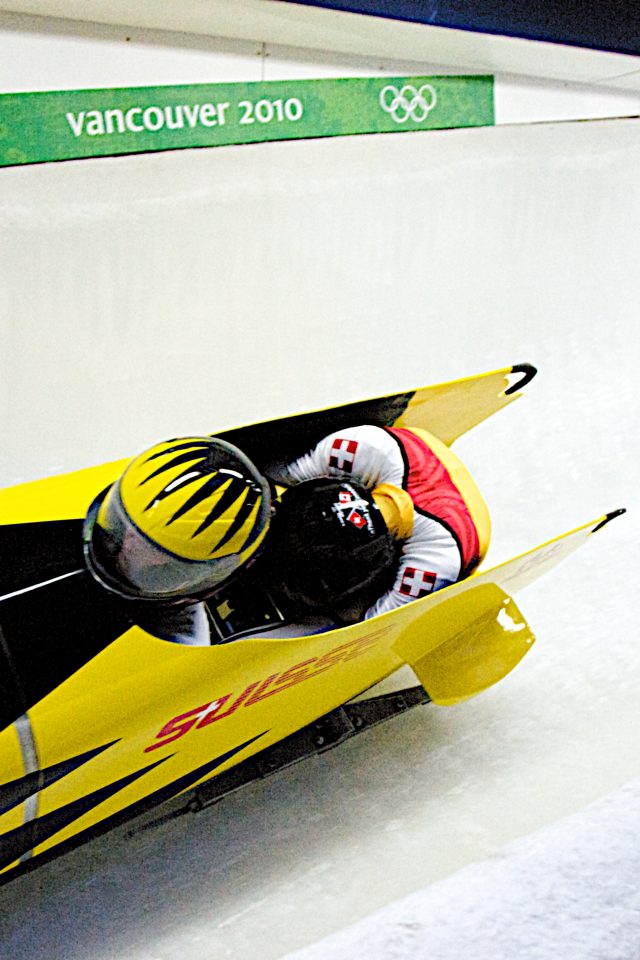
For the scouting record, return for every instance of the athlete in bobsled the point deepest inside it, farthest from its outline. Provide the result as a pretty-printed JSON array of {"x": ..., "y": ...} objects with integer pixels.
[
  {"x": 370, "y": 519},
  {"x": 375, "y": 518}
]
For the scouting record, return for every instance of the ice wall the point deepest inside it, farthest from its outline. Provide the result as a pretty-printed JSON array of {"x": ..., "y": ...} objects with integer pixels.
[{"x": 157, "y": 294}]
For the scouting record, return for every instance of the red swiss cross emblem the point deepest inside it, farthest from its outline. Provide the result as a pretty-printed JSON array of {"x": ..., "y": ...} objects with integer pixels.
[
  {"x": 343, "y": 454},
  {"x": 357, "y": 519},
  {"x": 415, "y": 583}
]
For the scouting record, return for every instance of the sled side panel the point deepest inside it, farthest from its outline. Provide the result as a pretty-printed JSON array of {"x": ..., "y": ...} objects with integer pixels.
[
  {"x": 170, "y": 717},
  {"x": 450, "y": 409},
  {"x": 446, "y": 410},
  {"x": 66, "y": 496},
  {"x": 276, "y": 442},
  {"x": 12, "y": 770},
  {"x": 479, "y": 633}
]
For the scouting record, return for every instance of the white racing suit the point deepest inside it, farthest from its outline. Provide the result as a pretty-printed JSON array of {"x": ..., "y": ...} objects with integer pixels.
[{"x": 451, "y": 525}]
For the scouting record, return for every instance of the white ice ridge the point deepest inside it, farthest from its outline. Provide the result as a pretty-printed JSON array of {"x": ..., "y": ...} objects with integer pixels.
[{"x": 567, "y": 892}]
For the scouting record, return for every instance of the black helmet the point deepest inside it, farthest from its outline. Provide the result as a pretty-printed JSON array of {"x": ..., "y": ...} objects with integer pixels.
[{"x": 330, "y": 546}]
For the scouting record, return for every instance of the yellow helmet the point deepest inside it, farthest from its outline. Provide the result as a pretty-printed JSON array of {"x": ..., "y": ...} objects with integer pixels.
[{"x": 184, "y": 516}]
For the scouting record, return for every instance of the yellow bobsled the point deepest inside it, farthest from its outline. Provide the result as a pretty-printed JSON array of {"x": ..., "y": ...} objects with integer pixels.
[{"x": 100, "y": 720}]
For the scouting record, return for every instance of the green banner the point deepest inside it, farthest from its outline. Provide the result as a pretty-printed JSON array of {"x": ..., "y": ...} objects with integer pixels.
[{"x": 69, "y": 124}]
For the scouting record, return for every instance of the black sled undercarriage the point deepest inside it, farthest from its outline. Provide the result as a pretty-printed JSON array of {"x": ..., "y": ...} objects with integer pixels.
[{"x": 324, "y": 734}]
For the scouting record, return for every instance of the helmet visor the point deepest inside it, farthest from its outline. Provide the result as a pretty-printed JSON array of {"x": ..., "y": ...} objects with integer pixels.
[{"x": 127, "y": 562}]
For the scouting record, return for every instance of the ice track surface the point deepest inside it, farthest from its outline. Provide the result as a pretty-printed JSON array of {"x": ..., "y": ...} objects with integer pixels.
[
  {"x": 569, "y": 890},
  {"x": 540, "y": 227}
]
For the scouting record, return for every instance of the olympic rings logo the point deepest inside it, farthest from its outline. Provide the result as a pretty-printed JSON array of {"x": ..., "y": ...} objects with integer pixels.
[{"x": 408, "y": 102}]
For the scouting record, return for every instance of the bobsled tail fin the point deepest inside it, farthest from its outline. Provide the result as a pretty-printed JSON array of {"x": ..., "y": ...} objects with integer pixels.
[
  {"x": 448, "y": 410},
  {"x": 489, "y": 638},
  {"x": 482, "y": 635}
]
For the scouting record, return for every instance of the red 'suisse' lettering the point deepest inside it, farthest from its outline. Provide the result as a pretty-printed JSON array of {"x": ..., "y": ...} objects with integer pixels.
[
  {"x": 260, "y": 692},
  {"x": 283, "y": 681},
  {"x": 212, "y": 717},
  {"x": 177, "y": 727},
  {"x": 361, "y": 646}
]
